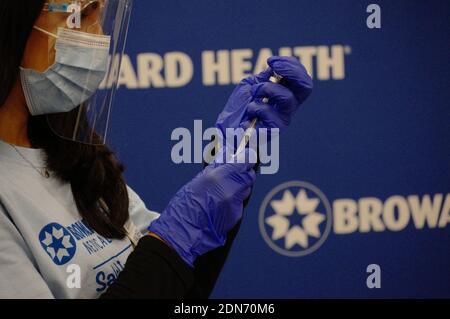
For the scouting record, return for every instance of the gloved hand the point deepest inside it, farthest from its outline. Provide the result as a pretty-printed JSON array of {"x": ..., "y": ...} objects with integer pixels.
[
  {"x": 200, "y": 215},
  {"x": 284, "y": 99}
]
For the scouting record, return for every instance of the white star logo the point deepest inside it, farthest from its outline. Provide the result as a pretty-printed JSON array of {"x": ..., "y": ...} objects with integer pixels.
[
  {"x": 57, "y": 244},
  {"x": 297, "y": 224},
  {"x": 287, "y": 206}
]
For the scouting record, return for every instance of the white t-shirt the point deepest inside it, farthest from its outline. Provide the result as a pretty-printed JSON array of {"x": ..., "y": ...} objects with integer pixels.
[{"x": 44, "y": 244}]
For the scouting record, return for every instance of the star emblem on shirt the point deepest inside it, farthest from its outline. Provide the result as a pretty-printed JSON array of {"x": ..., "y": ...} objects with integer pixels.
[
  {"x": 58, "y": 243},
  {"x": 286, "y": 207}
]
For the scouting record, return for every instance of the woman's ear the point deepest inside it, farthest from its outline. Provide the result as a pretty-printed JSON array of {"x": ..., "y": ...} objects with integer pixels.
[{"x": 39, "y": 52}]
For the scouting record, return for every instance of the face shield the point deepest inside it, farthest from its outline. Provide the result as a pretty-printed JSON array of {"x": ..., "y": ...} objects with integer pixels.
[{"x": 85, "y": 44}]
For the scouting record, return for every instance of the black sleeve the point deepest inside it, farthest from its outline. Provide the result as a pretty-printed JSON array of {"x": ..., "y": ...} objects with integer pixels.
[
  {"x": 208, "y": 267},
  {"x": 153, "y": 270}
]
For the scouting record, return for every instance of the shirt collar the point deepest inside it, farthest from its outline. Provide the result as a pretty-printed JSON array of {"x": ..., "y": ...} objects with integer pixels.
[{"x": 35, "y": 156}]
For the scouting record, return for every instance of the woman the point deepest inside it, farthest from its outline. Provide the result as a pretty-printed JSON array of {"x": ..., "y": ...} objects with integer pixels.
[{"x": 65, "y": 209}]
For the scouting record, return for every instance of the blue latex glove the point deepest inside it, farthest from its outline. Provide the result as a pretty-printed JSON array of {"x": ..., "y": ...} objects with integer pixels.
[
  {"x": 201, "y": 214},
  {"x": 246, "y": 102}
]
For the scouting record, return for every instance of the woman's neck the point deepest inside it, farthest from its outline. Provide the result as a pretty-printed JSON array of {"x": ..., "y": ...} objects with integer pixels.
[{"x": 14, "y": 117}]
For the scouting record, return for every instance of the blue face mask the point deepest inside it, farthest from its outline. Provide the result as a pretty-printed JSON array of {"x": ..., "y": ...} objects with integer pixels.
[{"x": 80, "y": 66}]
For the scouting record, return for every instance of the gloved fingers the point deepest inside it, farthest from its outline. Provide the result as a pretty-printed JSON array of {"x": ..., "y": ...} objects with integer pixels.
[
  {"x": 291, "y": 70},
  {"x": 240, "y": 176},
  {"x": 245, "y": 125},
  {"x": 278, "y": 95},
  {"x": 246, "y": 193},
  {"x": 252, "y": 176},
  {"x": 244, "y": 179},
  {"x": 267, "y": 115},
  {"x": 241, "y": 95},
  {"x": 242, "y": 173},
  {"x": 294, "y": 74},
  {"x": 264, "y": 76}
]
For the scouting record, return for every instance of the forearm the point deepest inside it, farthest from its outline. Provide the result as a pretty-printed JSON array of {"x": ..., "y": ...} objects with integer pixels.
[{"x": 155, "y": 271}]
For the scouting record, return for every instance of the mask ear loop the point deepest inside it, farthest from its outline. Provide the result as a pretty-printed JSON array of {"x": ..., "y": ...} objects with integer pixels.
[{"x": 46, "y": 32}]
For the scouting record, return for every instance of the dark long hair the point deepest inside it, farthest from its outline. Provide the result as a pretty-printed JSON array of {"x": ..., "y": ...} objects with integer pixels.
[{"x": 93, "y": 172}]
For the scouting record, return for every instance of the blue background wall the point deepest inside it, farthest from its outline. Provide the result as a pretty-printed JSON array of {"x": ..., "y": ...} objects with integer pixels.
[{"x": 383, "y": 130}]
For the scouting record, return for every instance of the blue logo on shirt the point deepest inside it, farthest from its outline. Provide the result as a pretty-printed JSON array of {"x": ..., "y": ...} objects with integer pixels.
[{"x": 58, "y": 243}]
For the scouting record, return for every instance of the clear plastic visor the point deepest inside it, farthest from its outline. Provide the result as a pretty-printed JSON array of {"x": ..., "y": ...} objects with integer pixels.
[{"x": 85, "y": 41}]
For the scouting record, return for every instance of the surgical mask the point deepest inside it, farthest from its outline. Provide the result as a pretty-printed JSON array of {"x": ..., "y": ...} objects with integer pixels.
[{"x": 81, "y": 63}]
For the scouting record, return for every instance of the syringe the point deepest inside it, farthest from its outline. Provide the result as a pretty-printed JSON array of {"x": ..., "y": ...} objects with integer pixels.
[{"x": 275, "y": 78}]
